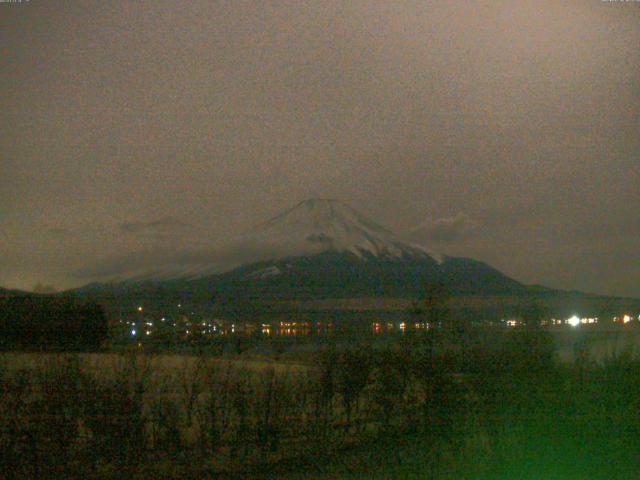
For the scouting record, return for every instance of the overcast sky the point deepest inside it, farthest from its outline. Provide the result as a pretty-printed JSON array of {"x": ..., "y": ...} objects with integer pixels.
[{"x": 507, "y": 131}]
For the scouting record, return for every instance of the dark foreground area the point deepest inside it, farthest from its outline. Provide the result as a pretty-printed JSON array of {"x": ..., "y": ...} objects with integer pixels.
[{"x": 426, "y": 405}]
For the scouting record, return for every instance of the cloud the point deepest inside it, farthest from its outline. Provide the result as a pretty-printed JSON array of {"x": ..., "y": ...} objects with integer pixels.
[
  {"x": 628, "y": 227},
  {"x": 161, "y": 225},
  {"x": 445, "y": 230},
  {"x": 383, "y": 104},
  {"x": 169, "y": 262},
  {"x": 42, "y": 288},
  {"x": 59, "y": 232}
]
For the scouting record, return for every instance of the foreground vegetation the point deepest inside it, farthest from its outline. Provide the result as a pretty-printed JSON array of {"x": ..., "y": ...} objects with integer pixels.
[{"x": 420, "y": 406}]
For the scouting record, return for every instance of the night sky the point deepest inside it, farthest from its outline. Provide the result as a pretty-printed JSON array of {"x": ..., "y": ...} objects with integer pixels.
[{"x": 507, "y": 131}]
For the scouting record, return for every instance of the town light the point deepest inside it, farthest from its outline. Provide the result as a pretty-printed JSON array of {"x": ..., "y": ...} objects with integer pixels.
[
  {"x": 133, "y": 332},
  {"x": 574, "y": 321}
]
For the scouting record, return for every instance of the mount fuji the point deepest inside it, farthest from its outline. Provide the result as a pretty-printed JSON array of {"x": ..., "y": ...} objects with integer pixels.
[{"x": 321, "y": 249}]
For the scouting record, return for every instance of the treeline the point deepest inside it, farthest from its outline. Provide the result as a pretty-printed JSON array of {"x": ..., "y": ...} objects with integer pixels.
[{"x": 50, "y": 323}]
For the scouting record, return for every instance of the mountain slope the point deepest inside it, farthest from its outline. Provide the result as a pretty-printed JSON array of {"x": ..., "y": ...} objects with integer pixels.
[
  {"x": 4, "y": 292},
  {"x": 343, "y": 275}
]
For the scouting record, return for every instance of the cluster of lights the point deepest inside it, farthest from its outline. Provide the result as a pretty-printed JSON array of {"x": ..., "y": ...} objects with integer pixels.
[
  {"x": 625, "y": 318},
  {"x": 378, "y": 327},
  {"x": 208, "y": 327},
  {"x": 574, "y": 321},
  {"x": 293, "y": 324},
  {"x": 290, "y": 327}
]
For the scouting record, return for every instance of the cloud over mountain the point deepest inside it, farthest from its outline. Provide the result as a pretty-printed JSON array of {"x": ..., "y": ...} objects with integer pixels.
[
  {"x": 160, "y": 225},
  {"x": 309, "y": 228},
  {"x": 445, "y": 230}
]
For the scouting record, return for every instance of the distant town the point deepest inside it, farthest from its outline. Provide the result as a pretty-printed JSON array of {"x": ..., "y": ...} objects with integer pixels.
[{"x": 141, "y": 326}]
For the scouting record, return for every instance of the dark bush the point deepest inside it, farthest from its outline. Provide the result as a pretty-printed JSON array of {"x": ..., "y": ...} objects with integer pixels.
[{"x": 51, "y": 323}]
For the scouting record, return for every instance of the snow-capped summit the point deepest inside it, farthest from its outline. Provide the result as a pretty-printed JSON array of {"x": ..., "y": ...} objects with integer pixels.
[{"x": 326, "y": 225}]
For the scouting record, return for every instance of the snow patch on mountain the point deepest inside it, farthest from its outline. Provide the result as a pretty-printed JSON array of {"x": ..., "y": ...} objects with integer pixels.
[
  {"x": 320, "y": 225},
  {"x": 264, "y": 273}
]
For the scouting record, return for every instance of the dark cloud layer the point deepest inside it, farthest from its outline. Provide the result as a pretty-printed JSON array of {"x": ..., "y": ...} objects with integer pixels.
[
  {"x": 523, "y": 115},
  {"x": 185, "y": 260},
  {"x": 445, "y": 230},
  {"x": 164, "y": 224},
  {"x": 59, "y": 232}
]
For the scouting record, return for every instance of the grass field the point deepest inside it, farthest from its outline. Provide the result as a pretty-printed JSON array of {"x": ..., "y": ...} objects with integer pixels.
[{"x": 510, "y": 409}]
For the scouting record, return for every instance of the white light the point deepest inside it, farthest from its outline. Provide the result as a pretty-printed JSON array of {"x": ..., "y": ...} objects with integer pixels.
[
  {"x": 139, "y": 309},
  {"x": 133, "y": 332},
  {"x": 574, "y": 321},
  {"x": 626, "y": 319},
  {"x": 148, "y": 332}
]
